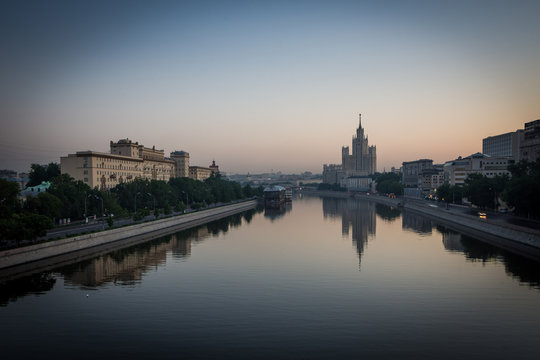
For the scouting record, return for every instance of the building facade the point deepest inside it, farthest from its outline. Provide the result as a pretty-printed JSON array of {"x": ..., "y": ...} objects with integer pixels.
[
  {"x": 530, "y": 146},
  {"x": 431, "y": 178},
  {"x": 214, "y": 168},
  {"x": 456, "y": 171},
  {"x": 504, "y": 145},
  {"x": 357, "y": 183},
  {"x": 102, "y": 170},
  {"x": 126, "y": 162},
  {"x": 181, "y": 159},
  {"x": 360, "y": 164},
  {"x": 363, "y": 160},
  {"x": 412, "y": 171},
  {"x": 199, "y": 173},
  {"x": 332, "y": 173}
]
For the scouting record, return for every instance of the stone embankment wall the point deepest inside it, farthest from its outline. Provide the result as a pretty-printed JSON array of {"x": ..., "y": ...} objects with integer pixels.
[
  {"x": 480, "y": 227},
  {"x": 155, "y": 228}
]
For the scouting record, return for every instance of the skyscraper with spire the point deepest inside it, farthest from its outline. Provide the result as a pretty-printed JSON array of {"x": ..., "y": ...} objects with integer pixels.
[
  {"x": 363, "y": 160},
  {"x": 360, "y": 164}
]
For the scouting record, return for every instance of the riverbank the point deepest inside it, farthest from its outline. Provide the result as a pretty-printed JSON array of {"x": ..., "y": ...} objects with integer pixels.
[
  {"x": 519, "y": 239},
  {"x": 56, "y": 252}
]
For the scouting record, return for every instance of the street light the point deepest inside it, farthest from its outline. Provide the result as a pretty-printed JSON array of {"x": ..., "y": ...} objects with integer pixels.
[
  {"x": 187, "y": 198},
  {"x": 102, "y": 210},
  {"x": 153, "y": 198},
  {"x": 85, "y": 207}
]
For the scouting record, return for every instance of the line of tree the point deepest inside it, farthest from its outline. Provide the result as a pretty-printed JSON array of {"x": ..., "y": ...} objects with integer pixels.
[
  {"x": 519, "y": 191},
  {"x": 332, "y": 187},
  {"x": 388, "y": 183},
  {"x": 70, "y": 198},
  {"x": 17, "y": 223},
  {"x": 522, "y": 190}
]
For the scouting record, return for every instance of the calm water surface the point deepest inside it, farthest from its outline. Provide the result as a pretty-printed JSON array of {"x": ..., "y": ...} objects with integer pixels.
[{"x": 323, "y": 278}]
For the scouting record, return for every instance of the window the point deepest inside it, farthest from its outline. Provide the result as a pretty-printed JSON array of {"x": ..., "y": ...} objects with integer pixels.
[
  {"x": 86, "y": 179},
  {"x": 85, "y": 172}
]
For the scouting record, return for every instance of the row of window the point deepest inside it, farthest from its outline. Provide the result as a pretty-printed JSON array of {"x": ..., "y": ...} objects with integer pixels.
[{"x": 115, "y": 173}]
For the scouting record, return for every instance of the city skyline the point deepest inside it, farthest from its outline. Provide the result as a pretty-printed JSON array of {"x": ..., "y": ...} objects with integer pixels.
[{"x": 266, "y": 85}]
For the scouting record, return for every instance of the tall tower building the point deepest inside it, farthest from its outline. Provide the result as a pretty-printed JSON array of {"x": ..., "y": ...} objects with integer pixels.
[
  {"x": 181, "y": 158},
  {"x": 363, "y": 160},
  {"x": 356, "y": 168}
]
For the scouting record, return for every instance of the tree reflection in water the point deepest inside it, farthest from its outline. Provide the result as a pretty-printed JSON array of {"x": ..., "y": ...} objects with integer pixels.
[
  {"x": 36, "y": 284},
  {"x": 525, "y": 270},
  {"x": 387, "y": 213},
  {"x": 127, "y": 266}
]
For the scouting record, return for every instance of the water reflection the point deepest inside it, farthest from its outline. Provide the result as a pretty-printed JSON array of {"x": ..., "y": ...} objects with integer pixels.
[
  {"x": 277, "y": 212},
  {"x": 416, "y": 223},
  {"x": 34, "y": 284},
  {"x": 525, "y": 270},
  {"x": 356, "y": 215},
  {"x": 387, "y": 213},
  {"x": 127, "y": 266},
  {"x": 360, "y": 216}
]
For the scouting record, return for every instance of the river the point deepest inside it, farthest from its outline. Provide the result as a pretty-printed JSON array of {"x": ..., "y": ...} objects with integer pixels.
[{"x": 321, "y": 278}]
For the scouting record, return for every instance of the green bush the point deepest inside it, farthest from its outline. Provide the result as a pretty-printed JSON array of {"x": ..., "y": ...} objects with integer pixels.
[
  {"x": 167, "y": 210},
  {"x": 180, "y": 207},
  {"x": 196, "y": 206}
]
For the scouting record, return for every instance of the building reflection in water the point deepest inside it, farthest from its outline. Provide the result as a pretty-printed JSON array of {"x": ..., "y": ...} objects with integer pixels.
[
  {"x": 526, "y": 271},
  {"x": 416, "y": 223},
  {"x": 127, "y": 266},
  {"x": 356, "y": 215},
  {"x": 274, "y": 213}
]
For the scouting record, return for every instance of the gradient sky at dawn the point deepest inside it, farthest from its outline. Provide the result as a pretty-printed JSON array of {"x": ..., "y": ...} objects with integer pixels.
[{"x": 261, "y": 85}]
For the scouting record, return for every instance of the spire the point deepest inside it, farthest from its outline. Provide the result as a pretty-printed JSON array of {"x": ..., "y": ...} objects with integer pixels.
[{"x": 359, "y": 121}]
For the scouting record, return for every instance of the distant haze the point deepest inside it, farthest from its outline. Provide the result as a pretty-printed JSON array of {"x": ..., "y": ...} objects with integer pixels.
[{"x": 268, "y": 85}]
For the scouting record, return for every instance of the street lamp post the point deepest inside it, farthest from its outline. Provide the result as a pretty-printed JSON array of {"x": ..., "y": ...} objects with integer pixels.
[
  {"x": 187, "y": 198},
  {"x": 102, "y": 209},
  {"x": 154, "y": 199},
  {"x": 86, "y": 196}
]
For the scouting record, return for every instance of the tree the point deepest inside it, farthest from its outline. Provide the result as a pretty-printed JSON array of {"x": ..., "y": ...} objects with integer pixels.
[
  {"x": 522, "y": 191},
  {"x": 248, "y": 191},
  {"x": 443, "y": 192},
  {"x": 9, "y": 202},
  {"x": 40, "y": 173},
  {"x": 450, "y": 193},
  {"x": 45, "y": 204},
  {"x": 24, "y": 226},
  {"x": 483, "y": 191},
  {"x": 332, "y": 187},
  {"x": 388, "y": 183},
  {"x": 72, "y": 195}
]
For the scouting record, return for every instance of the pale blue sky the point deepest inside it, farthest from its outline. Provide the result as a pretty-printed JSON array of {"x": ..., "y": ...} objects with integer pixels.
[{"x": 265, "y": 85}]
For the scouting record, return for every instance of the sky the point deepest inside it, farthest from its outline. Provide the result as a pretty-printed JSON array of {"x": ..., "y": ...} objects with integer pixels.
[{"x": 263, "y": 86}]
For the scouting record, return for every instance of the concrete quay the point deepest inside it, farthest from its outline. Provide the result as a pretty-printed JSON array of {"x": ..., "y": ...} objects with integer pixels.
[
  {"x": 57, "y": 252},
  {"x": 519, "y": 239}
]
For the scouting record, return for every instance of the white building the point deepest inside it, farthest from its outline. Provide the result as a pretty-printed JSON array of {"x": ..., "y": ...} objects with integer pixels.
[{"x": 456, "y": 171}]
